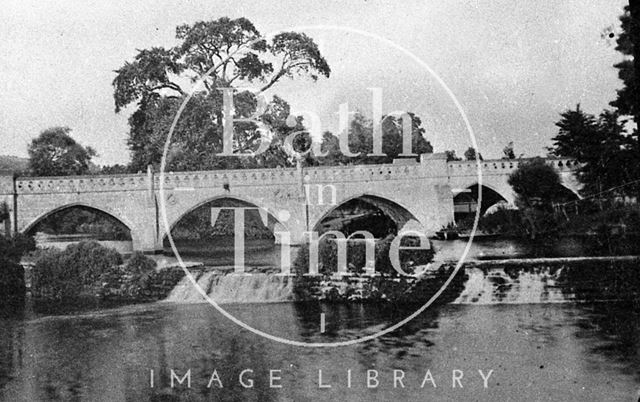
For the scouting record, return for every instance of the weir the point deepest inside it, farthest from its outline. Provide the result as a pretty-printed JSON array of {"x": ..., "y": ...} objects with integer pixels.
[
  {"x": 234, "y": 288},
  {"x": 525, "y": 281},
  {"x": 495, "y": 286}
]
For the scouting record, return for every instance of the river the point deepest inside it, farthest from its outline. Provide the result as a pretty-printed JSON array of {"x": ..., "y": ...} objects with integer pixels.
[
  {"x": 568, "y": 352},
  {"x": 506, "y": 337}
]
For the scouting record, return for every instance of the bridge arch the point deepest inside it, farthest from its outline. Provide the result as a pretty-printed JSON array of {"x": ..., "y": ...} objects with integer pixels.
[
  {"x": 395, "y": 211},
  {"x": 466, "y": 201},
  {"x": 131, "y": 228},
  {"x": 177, "y": 217},
  {"x": 571, "y": 191}
]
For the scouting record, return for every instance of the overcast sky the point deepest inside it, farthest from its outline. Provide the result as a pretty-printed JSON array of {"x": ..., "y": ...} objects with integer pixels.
[{"x": 513, "y": 68}]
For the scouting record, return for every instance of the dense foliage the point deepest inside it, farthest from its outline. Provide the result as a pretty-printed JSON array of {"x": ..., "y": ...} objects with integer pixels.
[
  {"x": 231, "y": 53},
  {"x": 606, "y": 152},
  {"x": 55, "y": 153},
  {"x": 13, "y": 248},
  {"x": 609, "y": 152},
  {"x": 628, "y": 44},
  {"x": 535, "y": 183},
  {"x": 471, "y": 155},
  {"x": 74, "y": 271},
  {"x": 12, "y": 281},
  {"x": 83, "y": 220},
  {"x": 356, "y": 256},
  {"x": 224, "y": 53},
  {"x": 139, "y": 264}
]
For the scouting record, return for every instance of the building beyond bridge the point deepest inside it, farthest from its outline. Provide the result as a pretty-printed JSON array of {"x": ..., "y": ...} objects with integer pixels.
[{"x": 417, "y": 195}]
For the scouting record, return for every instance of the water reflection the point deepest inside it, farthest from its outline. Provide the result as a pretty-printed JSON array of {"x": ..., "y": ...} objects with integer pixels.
[{"x": 537, "y": 352}]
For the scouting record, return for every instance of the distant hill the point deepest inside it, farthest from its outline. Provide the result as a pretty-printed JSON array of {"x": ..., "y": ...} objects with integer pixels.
[{"x": 10, "y": 164}]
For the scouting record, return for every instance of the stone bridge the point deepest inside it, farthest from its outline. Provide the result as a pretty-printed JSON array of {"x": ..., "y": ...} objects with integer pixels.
[{"x": 416, "y": 195}]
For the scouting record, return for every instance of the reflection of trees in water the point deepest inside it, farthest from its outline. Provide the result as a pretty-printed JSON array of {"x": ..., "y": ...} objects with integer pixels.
[
  {"x": 11, "y": 341},
  {"x": 617, "y": 327},
  {"x": 595, "y": 281},
  {"x": 347, "y": 321}
]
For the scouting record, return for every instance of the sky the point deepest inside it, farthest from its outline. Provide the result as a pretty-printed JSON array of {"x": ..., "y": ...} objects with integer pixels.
[{"x": 513, "y": 69}]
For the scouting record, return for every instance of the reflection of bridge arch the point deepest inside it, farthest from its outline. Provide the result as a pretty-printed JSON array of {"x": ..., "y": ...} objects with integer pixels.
[
  {"x": 395, "y": 211},
  {"x": 100, "y": 210}
]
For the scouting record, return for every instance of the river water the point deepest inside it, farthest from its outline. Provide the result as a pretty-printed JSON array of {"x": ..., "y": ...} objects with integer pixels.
[
  {"x": 555, "y": 352},
  {"x": 507, "y": 336}
]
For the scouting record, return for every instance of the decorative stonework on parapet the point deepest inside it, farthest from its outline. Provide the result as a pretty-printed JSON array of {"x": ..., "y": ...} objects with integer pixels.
[
  {"x": 49, "y": 185},
  {"x": 504, "y": 166},
  {"x": 263, "y": 177}
]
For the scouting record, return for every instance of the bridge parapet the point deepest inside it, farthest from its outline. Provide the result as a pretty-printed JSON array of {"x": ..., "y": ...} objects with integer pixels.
[
  {"x": 75, "y": 184},
  {"x": 504, "y": 166},
  {"x": 218, "y": 178},
  {"x": 367, "y": 172},
  {"x": 238, "y": 177}
]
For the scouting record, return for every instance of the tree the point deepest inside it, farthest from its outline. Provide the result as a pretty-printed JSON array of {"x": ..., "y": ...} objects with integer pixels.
[
  {"x": 535, "y": 183},
  {"x": 628, "y": 43},
  {"x": 508, "y": 151},
  {"x": 5, "y": 215},
  {"x": 471, "y": 155},
  {"x": 602, "y": 147},
  {"x": 114, "y": 169},
  {"x": 55, "y": 153},
  {"x": 225, "y": 53},
  {"x": 451, "y": 156},
  {"x": 12, "y": 283},
  {"x": 627, "y": 101},
  {"x": 360, "y": 140}
]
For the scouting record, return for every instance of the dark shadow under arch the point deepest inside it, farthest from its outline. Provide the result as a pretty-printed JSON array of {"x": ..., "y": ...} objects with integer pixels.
[
  {"x": 197, "y": 239},
  {"x": 565, "y": 194},
  {"x": 80, "y": 220},
  {"x": 372, "y": 213},
  {"x": 195, "y": 223},
  {"x": 465, "y": 204}
]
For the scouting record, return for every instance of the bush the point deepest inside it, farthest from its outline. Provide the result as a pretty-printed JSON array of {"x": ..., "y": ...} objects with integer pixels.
[
  {"x": 139, "y": 264},
  {"x": 12, "y": 284},
  {"x": 13, "y": 248},
  {"x": 356, "y": 256},
  {"x": 73, "y": 272}
]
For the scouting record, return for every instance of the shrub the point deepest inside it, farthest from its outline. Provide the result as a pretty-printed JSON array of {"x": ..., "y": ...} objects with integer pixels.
[
  {"x": 409, "y": 259},
  {"x": 12, "y": 284},
  {"x": 139, "y": 264},
  {"x": 15, "y": 247},
  {"x": 74, "y": 271},
  {"x": 356, "y": 256}
]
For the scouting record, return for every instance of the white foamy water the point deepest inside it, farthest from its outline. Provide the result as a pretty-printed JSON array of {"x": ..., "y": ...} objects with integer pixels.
[
  {"x": 232, "y": 288},
  {"x": 495, "y": 286}
]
